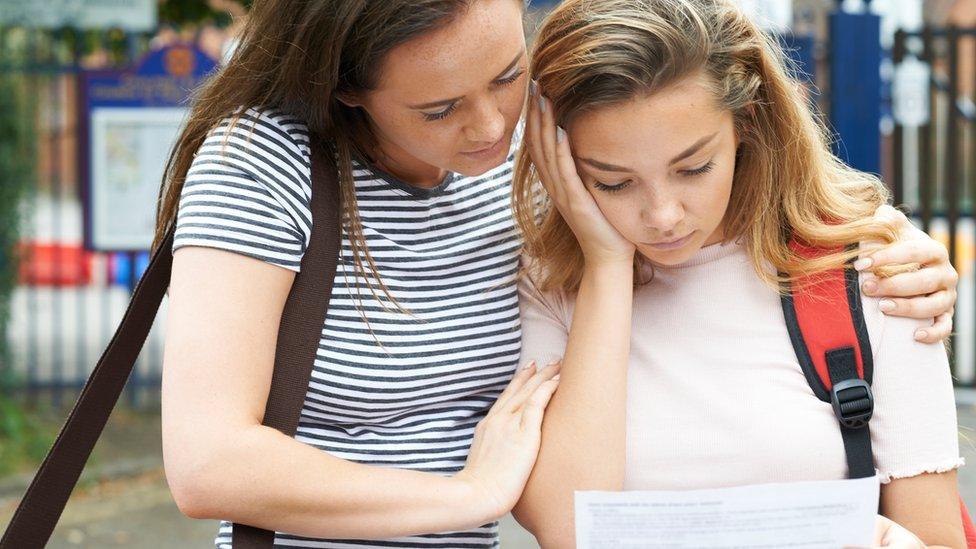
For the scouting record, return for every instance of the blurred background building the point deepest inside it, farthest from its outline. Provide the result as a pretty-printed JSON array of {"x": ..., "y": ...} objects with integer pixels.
[{"x": 92, "y": 94}]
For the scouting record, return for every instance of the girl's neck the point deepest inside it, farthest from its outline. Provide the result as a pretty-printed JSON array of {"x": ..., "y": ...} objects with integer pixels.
[{"x": 704, "y": 255}]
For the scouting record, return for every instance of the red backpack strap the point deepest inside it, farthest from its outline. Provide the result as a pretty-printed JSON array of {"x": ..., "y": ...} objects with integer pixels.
[
  {"x": 967, "y": 525},
  {"x": 826, "y": 324}
]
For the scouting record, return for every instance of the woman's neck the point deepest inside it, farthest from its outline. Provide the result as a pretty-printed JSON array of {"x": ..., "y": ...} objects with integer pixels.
[{"x": 405, "y": 167}]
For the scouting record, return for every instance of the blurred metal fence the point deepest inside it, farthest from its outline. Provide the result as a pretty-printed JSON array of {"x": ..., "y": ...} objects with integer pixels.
[
  {"x": 934, "y": 158},
  {"x": 68, "y": 300}
]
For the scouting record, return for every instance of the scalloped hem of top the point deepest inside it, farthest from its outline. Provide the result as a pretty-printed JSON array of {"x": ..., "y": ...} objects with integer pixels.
[{"x": 945, "y": 467}]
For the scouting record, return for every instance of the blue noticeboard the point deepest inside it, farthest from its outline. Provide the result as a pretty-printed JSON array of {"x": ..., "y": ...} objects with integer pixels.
[{"x": 129, "y": 123}]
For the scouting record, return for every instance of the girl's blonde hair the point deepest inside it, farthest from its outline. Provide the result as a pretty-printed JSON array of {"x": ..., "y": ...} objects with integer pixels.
[{"x": 591, "y": 54}]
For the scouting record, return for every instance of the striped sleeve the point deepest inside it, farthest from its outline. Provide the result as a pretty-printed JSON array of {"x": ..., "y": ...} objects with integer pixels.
[{"x": 248, "y": 190}]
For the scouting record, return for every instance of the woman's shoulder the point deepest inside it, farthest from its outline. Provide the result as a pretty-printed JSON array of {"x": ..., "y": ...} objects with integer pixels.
[
  {"x": 266, "y": 145},
  {"x": 257, "y": 135},
  {"x": 248, "y": 189}
]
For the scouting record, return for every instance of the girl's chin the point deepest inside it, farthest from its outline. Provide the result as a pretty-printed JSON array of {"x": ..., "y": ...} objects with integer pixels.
[
  {"x": 669, "y": 259},
  {"x": 671, "y": 256}
]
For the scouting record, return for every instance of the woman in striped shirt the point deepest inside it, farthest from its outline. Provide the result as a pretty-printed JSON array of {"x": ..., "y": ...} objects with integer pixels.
[{"x": 419, "y": 100}]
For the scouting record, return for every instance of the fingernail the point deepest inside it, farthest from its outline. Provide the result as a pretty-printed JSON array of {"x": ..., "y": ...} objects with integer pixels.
[
  {"x": 886, "y": 305},
  {"x": 556, "y": 377},
  {"x": 869, "y": 287},
  {"x": 533, "y": 87},
  {"x": 862, "y": 263},
  {"x": 921, "y": 335},
  {"x": 560, "y": 134},
  {"x": 542, "y": 103},
  {"x": 531, "y": 364}
]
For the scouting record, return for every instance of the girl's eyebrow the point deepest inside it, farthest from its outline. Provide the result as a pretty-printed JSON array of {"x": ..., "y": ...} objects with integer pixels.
[
  {"x": 692, "y": 149},
  {"x": 603, "y": 165},
  {"x": 446, "y": 102},
  {"x": 685, "y": 154}
]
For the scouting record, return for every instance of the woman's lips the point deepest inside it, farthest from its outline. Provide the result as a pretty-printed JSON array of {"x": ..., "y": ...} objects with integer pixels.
[{"x": 485, "y": 153}]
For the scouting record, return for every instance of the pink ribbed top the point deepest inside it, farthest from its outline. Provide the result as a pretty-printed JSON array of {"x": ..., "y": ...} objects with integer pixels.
[{"x": 716, "y": 396}]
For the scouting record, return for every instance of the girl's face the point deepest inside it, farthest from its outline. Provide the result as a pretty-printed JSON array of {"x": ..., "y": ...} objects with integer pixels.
[
  {"x": 451, "y": 99},
  {"x": 660, "y": 168}
]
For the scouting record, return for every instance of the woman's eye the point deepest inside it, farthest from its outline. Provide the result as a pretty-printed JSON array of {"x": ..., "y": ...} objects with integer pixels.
[
  {"x": 510, "y": 79},
  {"x": 616, "y": 187},
  {"x": 699, "y": 171},
  {"x": 440, "y": 115}
]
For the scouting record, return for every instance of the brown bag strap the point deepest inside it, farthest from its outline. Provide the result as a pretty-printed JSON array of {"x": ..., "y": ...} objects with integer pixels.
[
  {"x": 298, "y": 338},
  {"x": 42, "y": 505},
  {"x": 302, "y": 319}
]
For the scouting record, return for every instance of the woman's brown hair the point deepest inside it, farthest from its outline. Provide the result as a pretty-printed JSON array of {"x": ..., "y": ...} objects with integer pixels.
[{"x": 300, "y": 57}]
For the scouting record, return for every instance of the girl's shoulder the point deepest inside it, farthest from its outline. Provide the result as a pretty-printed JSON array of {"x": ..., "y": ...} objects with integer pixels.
[{"x": 555, "y": 304}]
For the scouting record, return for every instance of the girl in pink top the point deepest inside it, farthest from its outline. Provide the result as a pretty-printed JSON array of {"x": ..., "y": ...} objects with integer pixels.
[{"x": 679, "y": 159}]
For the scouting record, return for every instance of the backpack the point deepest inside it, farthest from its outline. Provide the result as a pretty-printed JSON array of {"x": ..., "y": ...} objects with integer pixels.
[
  {"x": 825, "y": 321},
  {"x": 298, "y": 338}
]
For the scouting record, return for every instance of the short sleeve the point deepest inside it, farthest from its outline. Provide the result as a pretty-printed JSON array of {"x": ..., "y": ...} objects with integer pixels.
[
  {"x": 914, "y": 428},
  {"x": 546, "y": 318},
  {"x": 248, "y": 190}
]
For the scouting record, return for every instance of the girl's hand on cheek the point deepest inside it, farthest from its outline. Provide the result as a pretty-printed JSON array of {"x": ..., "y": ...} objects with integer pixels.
[{"x": 550, "y": 151}]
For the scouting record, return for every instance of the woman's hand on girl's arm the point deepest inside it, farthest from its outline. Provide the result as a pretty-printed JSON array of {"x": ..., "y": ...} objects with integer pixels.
[
  {"x": 928, "y": 293},
  {"x": 553, "y": 160},
  {"x": 222, "y": 463},
  {"x": 506, "y": 442}
]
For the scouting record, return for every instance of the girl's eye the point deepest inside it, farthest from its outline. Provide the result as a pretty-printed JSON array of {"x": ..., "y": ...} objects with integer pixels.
[
  {"x": 611, "y": 188},
  {"x": 440, "y": 115},
  {"x": 699, "y": 171},
  {"x": 510, "y": 79}
]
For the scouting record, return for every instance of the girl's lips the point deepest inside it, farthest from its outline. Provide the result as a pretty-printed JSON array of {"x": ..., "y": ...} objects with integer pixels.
[{"x": 672, "y": 244}]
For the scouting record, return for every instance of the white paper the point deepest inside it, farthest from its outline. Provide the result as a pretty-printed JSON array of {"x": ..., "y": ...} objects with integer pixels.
[{"x": 811, "y": 515}]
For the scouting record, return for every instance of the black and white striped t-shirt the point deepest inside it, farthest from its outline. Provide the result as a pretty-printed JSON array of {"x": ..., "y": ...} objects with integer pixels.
[{"x": 401, "y": 391}]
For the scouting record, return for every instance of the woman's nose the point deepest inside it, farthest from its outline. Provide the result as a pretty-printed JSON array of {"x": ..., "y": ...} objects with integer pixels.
[{"x": 486, "y": 125}]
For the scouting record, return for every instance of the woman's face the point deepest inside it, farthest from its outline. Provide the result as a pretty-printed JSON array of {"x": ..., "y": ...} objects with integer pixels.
[
  {"x": 660, "y": 167},
  {"x": 451, "y": 99}
]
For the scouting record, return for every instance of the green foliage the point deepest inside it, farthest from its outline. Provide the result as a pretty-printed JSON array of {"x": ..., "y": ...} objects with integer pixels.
[
  {"x": 23, "y": 440},
  {"x": 180, "y": 12},
  {"x": 17, "y": 172},
  {"x": 24, "y": 437}
]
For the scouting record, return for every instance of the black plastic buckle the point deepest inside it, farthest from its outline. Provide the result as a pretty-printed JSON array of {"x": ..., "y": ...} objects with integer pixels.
[{"x": 853, "y": 403}]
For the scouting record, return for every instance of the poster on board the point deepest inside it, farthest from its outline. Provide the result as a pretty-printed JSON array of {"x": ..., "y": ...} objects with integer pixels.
[{"x": 130, "y": 122}]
